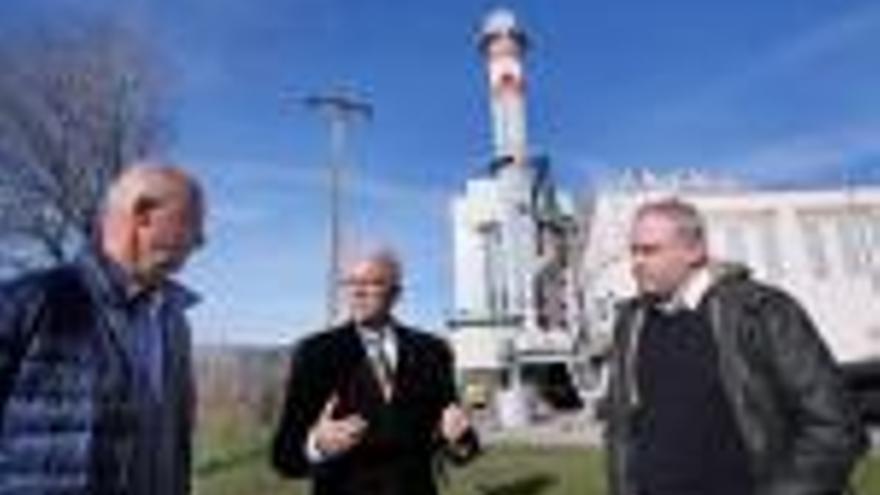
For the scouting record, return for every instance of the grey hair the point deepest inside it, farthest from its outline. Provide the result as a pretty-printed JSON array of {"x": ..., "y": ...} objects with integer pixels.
[
  {"x": 689, "y": 222},
  {"x": 384, "y": 256},
  {"x": 154, "y": 181}
]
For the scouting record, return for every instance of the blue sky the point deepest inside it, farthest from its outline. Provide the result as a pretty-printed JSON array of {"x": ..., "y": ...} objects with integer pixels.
[{"x": 783, "y": 93}]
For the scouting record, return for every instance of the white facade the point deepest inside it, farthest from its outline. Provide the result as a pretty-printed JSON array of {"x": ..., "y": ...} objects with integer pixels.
[
  {"x": 504, "y": 308},
  {"x": 823, "y": 246}
]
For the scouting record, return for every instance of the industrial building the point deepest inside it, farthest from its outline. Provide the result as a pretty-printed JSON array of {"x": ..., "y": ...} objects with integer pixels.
[{"x": 516, "y": 313}]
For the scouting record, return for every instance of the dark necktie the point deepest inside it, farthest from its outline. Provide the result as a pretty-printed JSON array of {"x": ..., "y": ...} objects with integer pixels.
[{"x": 380, "y": 362}]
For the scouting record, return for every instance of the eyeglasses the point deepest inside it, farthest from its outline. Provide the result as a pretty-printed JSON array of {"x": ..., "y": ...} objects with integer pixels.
[{"x": 369, "y": 283}]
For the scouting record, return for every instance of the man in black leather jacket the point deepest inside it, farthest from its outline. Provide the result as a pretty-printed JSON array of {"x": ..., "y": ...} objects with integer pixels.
[{"x": 719, "y": 384}]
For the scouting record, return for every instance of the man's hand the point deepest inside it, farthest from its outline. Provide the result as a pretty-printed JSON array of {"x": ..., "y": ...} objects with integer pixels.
[
  {"x": 336, "y": 436},
  {"x": 454, "y": 423}
]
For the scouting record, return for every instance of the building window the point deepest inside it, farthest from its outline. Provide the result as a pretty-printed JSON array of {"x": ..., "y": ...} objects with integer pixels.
[
  {"x": 770, "y": 245},
  {"x": 814, "y": 242},
  {"x": 872, "y": 246},
  {"x": 871, "y": 237},
  {"x": 853, "y": 236},
  {"x": 496, "y": 296},
  {"x": 847, "y": 240},
  {"x": 735, "y": 243}
]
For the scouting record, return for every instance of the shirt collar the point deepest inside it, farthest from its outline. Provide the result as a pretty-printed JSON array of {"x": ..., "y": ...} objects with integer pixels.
[
  {"x": 115, "y": 286},
  {"x": 372, "y": 333},
  {"x": 690, "y": 293}
]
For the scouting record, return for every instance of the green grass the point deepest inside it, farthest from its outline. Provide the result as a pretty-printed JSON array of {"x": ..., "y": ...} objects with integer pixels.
[
  {"x": 866, "y": 479},
  {"x": 530, "y": 471},
  {"x": 503, "y": 470}
]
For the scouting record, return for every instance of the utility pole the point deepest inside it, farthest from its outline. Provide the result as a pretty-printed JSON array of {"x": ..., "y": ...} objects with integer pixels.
[{"x": 341, "y": 110}]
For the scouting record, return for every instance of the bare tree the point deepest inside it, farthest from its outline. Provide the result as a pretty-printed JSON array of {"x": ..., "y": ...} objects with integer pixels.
[{"x": 78, "y": 101}]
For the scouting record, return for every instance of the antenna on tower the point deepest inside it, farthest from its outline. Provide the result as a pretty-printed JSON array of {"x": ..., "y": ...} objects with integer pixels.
[{"x": 341, "y": 110}]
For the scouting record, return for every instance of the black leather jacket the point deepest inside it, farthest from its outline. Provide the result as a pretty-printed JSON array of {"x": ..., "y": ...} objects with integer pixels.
[{"x": 798, "y": 424}]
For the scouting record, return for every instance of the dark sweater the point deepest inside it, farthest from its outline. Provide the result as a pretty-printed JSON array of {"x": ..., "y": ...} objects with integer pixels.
[{"x": 687, "y": 441}]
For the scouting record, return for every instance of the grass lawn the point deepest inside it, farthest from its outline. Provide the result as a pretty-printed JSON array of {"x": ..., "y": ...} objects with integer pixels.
[
  {"x": 501, "y": 471},
  {"x": 508, "y": 470}
]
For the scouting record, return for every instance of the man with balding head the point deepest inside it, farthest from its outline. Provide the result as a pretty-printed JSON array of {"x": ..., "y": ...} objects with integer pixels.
[
  {"x": 95, "y": 383},
  {"x": 370, "y": 403}
]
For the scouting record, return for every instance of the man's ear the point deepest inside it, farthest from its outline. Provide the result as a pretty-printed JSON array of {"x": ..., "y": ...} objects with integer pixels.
[
  {"x": 697, "y": 254},
  {"x": 395, "y": 291}
]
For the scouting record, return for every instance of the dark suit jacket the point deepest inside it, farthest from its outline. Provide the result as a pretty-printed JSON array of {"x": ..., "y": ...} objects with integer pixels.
[{"x": 395, "y": 456}]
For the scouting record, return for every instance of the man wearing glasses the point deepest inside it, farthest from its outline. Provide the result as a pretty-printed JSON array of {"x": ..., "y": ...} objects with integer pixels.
[{"x": 372, "y": 402}]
